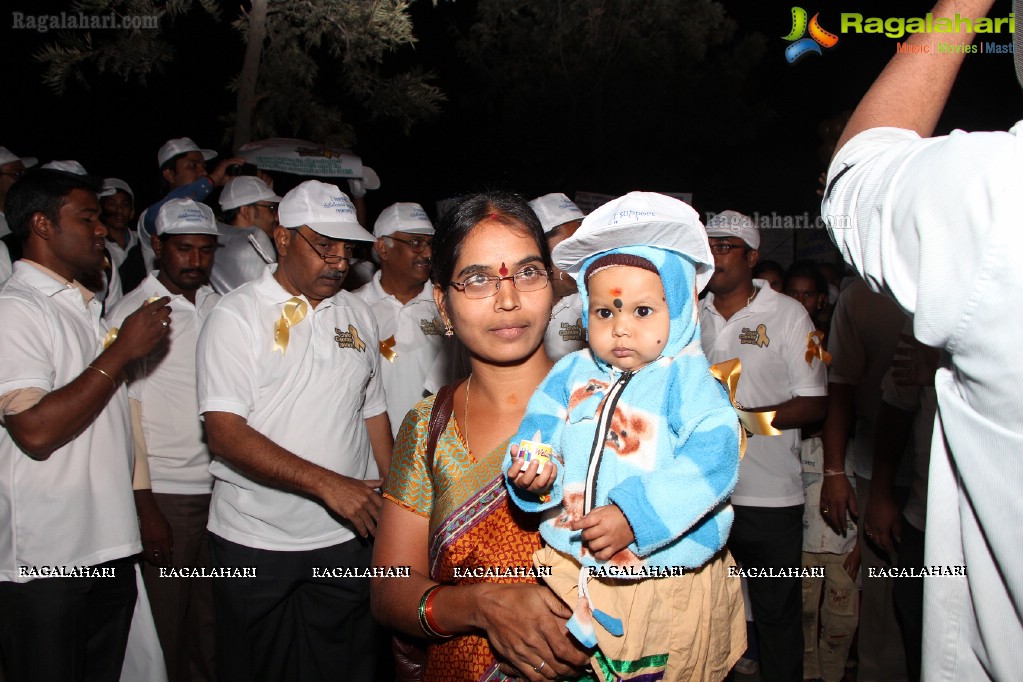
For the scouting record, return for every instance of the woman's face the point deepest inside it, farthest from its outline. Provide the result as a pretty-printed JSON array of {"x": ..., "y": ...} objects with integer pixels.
[
  {"x": 805, "y": 291},
  {"x": 509, "y": 326}
]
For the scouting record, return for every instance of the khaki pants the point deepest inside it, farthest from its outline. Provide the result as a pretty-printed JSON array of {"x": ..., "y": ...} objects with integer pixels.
[
  {"x": 695, "y": 621},
  {"x": 838, "y": 616}
]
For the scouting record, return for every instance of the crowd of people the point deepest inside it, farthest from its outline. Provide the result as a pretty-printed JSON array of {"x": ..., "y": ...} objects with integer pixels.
[{"x": 248, "y": 438}]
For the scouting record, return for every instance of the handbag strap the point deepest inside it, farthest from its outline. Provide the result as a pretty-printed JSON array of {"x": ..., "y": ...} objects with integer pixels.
[{"x": 439, "y": 417}]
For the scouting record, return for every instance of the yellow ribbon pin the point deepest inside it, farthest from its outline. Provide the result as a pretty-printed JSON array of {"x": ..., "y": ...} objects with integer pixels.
[
  {"x": 387, "y": 349},
  {"x": 294, "y": 312},
  {"x": 110, "y": 337},
  {"x": 753, "y": 423},
  {"x": 815, "y": 348}
]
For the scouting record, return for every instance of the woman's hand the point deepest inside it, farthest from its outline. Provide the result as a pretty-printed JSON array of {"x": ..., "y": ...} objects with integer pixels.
[{"x": 525, "y": 625}]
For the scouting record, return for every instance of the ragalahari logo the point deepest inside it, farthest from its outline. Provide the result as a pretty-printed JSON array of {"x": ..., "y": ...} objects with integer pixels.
[{"x": 802, "y": 46}]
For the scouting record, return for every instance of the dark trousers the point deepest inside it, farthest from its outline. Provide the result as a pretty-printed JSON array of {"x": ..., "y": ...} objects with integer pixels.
[
  {"x": 183, "y": 607},
  {"x": 68, "y": 629},
  {"x": 908, "y": 595},
  {"x": 765, "y": 537},
  {"x": 286, "y": 624}
]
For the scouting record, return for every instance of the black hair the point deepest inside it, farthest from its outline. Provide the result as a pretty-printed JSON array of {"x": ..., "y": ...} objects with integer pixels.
[
  {"x": 768, "y": 265},
  {"x": 808, "y": 269},
  {"x": 43, "y": 190},
  {"x": 507, "y": 208},
  {"x": 228, "y": 215}
]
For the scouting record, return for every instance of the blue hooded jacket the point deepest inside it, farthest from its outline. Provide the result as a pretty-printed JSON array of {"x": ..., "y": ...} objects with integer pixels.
[{"x": 662, "y": 442}]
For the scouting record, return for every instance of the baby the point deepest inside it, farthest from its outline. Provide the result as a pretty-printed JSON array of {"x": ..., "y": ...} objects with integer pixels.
[{"x": 643, "y": 454}]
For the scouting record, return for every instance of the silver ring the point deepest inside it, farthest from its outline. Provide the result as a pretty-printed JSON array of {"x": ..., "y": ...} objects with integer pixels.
[
  {"x": 538, "y": 668},
  {"x": 165, "y": 323}
]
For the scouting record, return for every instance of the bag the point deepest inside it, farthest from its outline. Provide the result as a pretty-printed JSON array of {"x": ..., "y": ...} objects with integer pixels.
[{"x": 410, "y": 652}]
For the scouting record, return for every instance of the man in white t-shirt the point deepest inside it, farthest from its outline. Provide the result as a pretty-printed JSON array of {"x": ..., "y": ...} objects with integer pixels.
[
  {"x": 560, "y": 218},
  {"x": 401, "y": 298},
  {"x": 248, "y": 219},
  {"x": 769, "y": 332},
  {"x": 172, "y": 479},
  {"x": 934, "y": 222},
  {"x": 67, "y": 518},
  {"x": 289, "y": 386}
]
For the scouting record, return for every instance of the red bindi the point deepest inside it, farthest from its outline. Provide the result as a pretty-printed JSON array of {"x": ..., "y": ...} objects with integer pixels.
[
  {"x": 616, "y": 292},
  {"x": 503, "y": 270}
]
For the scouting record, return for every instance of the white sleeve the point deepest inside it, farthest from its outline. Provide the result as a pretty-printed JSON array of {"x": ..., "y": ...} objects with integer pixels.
[
  {"x": 226, "y": 371},
  {"x": 913, "y": 216},
  {"x": 805, "y": 379},
  {"x": 375, "y": 401}
]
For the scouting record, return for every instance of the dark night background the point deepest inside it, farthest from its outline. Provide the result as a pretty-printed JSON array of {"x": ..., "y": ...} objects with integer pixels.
[{"x": 748, "y": 142}]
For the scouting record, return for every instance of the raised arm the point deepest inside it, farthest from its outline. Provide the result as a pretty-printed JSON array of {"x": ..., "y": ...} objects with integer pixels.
[{"x": 912, "y": 90}]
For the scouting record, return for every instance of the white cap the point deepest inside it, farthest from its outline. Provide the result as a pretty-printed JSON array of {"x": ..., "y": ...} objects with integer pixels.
[
  {"x": 181, "y": 145},
  {"x": 402, "y": 217},
  {"x": 117, "y": 184},
  {"x": 554, "y": 210},
  {"x": 7, "y": 156},
  {"x": 734, "y": 224},
  {"x": 72, "y": 166},
  {"x": 185, "y": 216},
  {"x": 639, "y": 218},
  {"x": 244, "y": 190},
  {"x": 325, "y": 209}
]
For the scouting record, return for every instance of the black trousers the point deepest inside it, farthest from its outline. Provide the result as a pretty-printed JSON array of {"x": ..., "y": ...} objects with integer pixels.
[
  {"x": 287, "y": 624},
  {"x": 766, "y": 537},
  {"x": 68, "y": 628}
]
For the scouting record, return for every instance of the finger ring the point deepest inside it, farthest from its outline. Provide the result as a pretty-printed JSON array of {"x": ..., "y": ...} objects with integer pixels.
[
  {"x": 166, "y": 323},
  {"x": 538, "y": 668}
]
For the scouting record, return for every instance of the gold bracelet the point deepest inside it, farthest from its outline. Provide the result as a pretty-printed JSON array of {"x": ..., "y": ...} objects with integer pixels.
[{"x": 107, "y": 375}]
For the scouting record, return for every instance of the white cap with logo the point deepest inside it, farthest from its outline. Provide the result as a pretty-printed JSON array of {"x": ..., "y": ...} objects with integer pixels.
[
  {"x": 185, "y": 216},
  {"x": 402, "y": 217},
  {"x": 181, "y": 145},
  {"x": 7, "y": 156},
  {"x": 244, "y": 190},
  {"x": 325, "y": 209},
  {"x": 554, "y": 210},
  {"x": 734, "y": 224}
]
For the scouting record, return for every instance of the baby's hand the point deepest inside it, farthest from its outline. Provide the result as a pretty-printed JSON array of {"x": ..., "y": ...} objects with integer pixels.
[
  {"x": 536, "y": 476},
  {"x": 606, "y": 531}
]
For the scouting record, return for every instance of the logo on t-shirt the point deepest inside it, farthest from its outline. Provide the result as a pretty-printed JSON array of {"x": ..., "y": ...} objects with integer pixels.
[
  {"x": 350, "y": 339},
  {"x": 572, "y": 331},
  {"x": 432, "y": 327},
  {"x": 755, "y": 337}
]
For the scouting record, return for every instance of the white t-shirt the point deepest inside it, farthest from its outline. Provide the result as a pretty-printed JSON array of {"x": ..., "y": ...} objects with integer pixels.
[
  {"x": 312, "y": 400},
  {"x": 415, "y": 334},
  {"x": 6, "y": 267},
  {"x": 76, "y": 508},
  {"x": 565, "y": 333},
  {"x": 864, "y": 331},
  {"x": 164, "y": 384},
  {"x": 769, "y": 336},
  {"x": 935, "y": 223},
  {"x": 243, "y": 254}
]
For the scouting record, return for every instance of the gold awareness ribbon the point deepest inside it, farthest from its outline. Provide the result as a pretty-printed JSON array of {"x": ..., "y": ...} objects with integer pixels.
[
  {"x": 753, "y": 423},
  {"x": 815, "y": 348},
  {"x": 294, "y": 312},
  {"x": 387, "y": 349},
  {"x": 110, "y": 337}
]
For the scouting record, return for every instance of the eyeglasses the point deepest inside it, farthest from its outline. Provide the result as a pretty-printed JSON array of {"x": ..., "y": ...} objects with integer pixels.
[
  {"x": 484, "y": 286},
  {"x": 269, "y": 207},
  {"x": 722, "y": 248},
  {"x": 329, "y": 258},
  {"x": 13, "y": 174},
  {"x": 416, "y": 244}
]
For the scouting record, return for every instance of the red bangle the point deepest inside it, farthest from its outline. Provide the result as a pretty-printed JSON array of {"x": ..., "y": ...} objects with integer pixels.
[{"x": 428, "y": 614}]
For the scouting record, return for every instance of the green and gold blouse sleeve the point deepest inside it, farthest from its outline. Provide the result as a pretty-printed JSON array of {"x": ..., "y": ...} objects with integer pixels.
[{"x": 410, "y": 484}]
